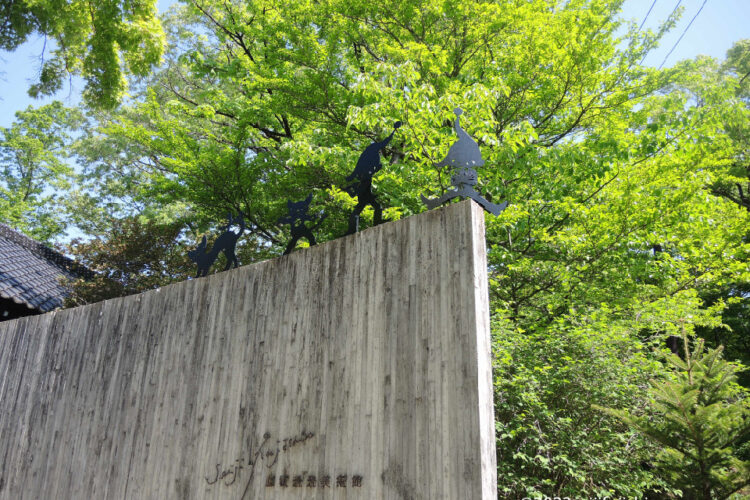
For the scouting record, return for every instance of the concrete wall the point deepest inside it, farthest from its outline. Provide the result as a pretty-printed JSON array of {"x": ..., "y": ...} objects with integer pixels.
[{"x": 356, "y": 369}]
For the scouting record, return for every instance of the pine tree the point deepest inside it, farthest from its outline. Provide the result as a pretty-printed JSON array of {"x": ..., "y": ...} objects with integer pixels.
[{"x": 701, "y": 416}]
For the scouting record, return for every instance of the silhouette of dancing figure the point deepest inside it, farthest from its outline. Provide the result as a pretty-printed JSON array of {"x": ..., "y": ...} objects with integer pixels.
[
  {"x": 226, "y": 243},
  {"x": 367, "y": 166},
  {"x": 463, "y": 157},
  {"x": 296, "y": 219}
]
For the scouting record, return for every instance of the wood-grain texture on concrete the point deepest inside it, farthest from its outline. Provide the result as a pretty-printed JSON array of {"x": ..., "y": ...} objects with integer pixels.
[{"x": 358, "y": 369}]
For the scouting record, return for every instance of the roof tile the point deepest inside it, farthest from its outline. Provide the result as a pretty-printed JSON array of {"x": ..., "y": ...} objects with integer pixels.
[{"x": 31, "y": 273}]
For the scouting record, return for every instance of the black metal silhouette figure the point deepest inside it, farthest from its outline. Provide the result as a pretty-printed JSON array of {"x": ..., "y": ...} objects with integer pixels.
[
  {"x": 463, "y": 157},
  {"x": 296, "y": 219},
  {"x": 226, "y": 243},
  {"x": 367, "y": 166}
]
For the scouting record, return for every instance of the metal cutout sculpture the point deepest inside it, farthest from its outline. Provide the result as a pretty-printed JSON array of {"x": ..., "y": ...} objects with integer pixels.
[
  {"x": 226, "y": 243},
  {"x": 367, "y": 166},
  {"x": 463, "y": 157},
  {"x": 296, "y": 219}
]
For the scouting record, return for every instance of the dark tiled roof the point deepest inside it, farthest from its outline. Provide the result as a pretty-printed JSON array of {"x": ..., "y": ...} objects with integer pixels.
[{"x": 30, "y": 272}]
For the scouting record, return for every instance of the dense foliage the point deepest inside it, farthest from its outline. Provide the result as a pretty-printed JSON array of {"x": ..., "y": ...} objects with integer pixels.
[
  {"x": 33, "y": 169},
  {"x": 627, "y": 186}
]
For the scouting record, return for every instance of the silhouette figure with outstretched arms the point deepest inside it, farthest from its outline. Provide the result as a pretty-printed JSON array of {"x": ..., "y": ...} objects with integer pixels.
[
  {"x": 463, "y": 157},
  {"x": 367, "y": 166}
]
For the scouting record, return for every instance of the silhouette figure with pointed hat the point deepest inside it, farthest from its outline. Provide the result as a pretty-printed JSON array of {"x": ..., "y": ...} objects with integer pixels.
[
  {"x": 463, "y": 157},
  {"x": 367, "y": 166}
]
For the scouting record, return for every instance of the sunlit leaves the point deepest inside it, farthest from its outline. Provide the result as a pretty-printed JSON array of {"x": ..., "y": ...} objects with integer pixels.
[
  {"x": 34, "y": 174},
  {"x": 96, "y": 40}
]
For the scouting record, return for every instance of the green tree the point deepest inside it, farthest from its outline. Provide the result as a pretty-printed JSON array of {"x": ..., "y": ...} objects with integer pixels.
[
  {"x": 35, "y": 173},
  {"x": 551, "y": 441},
  {"x": 725, "y": 90},
  {"x": 254, "y": 108},
  {"x": 97, "y": 40},
  {"x": 132, "y": 256},
  {"x": 733, "y": 180},
  {"x": 704, "y": 416}
]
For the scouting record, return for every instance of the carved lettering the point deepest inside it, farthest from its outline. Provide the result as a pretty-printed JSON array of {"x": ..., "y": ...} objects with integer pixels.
[{"x": 313, "y": 481}]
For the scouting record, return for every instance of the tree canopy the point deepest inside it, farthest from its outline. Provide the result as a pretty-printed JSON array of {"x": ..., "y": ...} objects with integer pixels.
[
  {"x": 97, "y": 40},
  {"x": 35, "y": 174}
]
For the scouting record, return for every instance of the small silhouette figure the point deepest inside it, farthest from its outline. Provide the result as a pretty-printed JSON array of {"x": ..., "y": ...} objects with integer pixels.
[
  {"x": 226, "y": 243},
  {"x": 368, "y": 165},
  {"x": 463, "y": 157},
  {"x": 296, "y": 219}
]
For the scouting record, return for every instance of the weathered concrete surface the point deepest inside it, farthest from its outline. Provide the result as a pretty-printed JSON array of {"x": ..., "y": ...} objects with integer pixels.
[{"x": 366, "y": 357}]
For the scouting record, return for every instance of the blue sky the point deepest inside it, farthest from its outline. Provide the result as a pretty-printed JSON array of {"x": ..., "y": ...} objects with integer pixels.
[{"x": 719, "y": 24}]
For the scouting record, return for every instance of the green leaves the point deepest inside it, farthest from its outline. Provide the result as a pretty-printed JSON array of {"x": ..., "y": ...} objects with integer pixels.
[
  {"x": 34, "y": 171},
  {"x": 94, "y": 39},
  {"x": 550, "y": 440}
]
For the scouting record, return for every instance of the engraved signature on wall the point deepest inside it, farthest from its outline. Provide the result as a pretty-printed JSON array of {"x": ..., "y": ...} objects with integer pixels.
[{"x": 267, "y": 452}]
